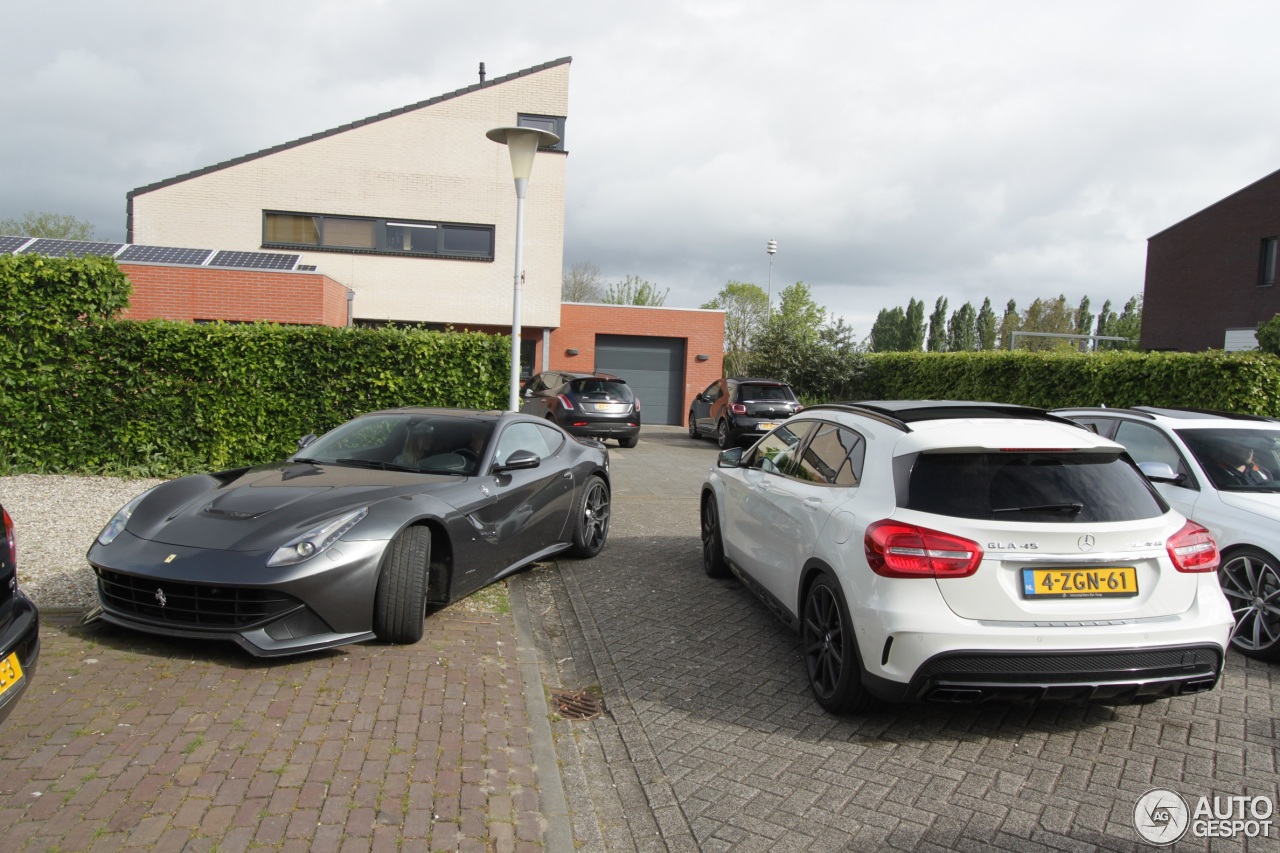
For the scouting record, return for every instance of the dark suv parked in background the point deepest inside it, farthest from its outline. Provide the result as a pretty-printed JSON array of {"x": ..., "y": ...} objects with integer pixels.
[
  {"x": 739, "y": 410},
  {"x": 593, "y": 405}
]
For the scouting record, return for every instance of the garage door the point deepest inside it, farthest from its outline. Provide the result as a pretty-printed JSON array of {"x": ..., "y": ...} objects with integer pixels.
[{"x": 653, "y": 367}]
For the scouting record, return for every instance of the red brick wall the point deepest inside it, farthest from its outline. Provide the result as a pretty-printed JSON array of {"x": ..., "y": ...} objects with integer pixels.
[
  {"x": 703, "y": 331},
  {"x": 202, "y": 293},
  {"x": 1202, "y": 273}
]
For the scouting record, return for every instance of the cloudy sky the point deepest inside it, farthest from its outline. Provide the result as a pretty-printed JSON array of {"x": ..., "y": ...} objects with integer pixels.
[{"x": 894, "y": 149}]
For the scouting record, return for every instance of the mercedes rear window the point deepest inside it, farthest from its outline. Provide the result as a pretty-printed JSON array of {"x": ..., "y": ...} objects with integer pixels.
[{"x": 1039, "y": 487}]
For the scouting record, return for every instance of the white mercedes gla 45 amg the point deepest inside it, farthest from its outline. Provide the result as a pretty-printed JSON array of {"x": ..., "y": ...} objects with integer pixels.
[{"x": 960, "y": 552}]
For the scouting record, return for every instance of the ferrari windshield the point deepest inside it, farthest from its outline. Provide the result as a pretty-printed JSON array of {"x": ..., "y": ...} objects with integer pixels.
[{"x": 427, "y": 443}]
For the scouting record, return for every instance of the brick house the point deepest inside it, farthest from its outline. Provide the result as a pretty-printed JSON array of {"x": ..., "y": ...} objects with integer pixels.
[
  {"x": 1211, "y": 278},
  {"x": 406, "y": 217}
]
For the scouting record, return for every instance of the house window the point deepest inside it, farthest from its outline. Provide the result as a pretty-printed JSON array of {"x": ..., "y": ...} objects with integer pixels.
[
  {"x": 554, "y": 124},
  {"x": 1267, "y": 265},
  {"x": 322, "y": 232}
]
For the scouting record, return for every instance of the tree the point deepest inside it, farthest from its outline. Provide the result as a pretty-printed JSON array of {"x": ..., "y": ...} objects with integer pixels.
[
  {"x": 915, "y": 325},
  {"x": 1106, "y": 322},
  {"x": 745, "y": 308},
  {"x": 987, "y": 335},
  {"x": 889, "y": 333},
  {"x": 938, "y": 326},
  {"x": 799, "y": 313},
  {"x": 962, "y": 329},
  {"x": 1052, "y": 316},
  {"x": 53, "y": 225},
  {"x": 634, "y": 291},
  {"x": 581, "y": 283},
  {"x": 1268, "y": 335},
  {"x": 1084, "y": 322},
  {"x": 1129, "y": 323},
  {"x": 1011, "y": 322}
]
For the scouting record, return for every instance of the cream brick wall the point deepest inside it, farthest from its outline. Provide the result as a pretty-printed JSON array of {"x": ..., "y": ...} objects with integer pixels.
[{"x": 432, "y": 163}]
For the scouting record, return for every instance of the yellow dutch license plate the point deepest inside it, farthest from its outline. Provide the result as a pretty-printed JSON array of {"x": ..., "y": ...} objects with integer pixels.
[
  {"x": 764, "y": 426},
  {"x": 1105, "y": 582},
  {"x": 10, "y": 673}
]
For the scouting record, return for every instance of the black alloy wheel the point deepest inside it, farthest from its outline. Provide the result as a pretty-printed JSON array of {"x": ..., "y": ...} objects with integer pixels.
[
  {"x": 830, "y": 654},
  {"x": 1251, "y": 581},
  {"x": 713, "y": 562},
  {"x": 693, "y": 425},
  {"x": 591, "y": 521}
]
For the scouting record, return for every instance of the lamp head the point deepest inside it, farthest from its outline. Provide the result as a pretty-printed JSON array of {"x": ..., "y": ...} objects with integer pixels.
[{"x": 523, "y": 143}]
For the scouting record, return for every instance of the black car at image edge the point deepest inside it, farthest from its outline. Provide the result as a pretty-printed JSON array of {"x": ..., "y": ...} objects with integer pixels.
[{"x": 19, "y": 627}]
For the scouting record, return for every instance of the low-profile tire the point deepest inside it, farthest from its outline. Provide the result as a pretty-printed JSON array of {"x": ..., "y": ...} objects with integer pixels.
[
  {"x": 713, "y": 562},
  {"x": 830, "y": 651},
  {"x": 693, "y": 427},
  {"x": 591, "y": 518},
  {"x": 629, "y": 441},
  {"x": 400, "y": 602},
  {"x": 722, "y": 435},
  {"x": 1250, "y": 578}
]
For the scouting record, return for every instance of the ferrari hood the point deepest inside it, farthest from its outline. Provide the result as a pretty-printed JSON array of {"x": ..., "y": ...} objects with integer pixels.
[{"x": 260, "y": 508}]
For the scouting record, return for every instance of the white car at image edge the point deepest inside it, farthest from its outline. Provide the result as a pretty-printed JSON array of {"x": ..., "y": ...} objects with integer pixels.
[
  {"x": 963, "y": 552},
  {"x": 1221, "y": 470}
]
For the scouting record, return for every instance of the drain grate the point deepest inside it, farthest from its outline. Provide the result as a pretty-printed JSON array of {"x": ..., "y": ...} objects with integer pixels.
[{"x": 577, "y": 706}]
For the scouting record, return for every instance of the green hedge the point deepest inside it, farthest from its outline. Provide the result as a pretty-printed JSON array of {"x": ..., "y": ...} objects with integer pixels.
[
  {"x": 1246, "y": 382},
  {"x": 83, "y": 393}
]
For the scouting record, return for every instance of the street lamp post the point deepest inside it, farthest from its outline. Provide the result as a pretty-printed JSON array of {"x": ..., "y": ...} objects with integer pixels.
[
  {"x": 522, "y": 143},
  {"x": 772, "y": 248}
]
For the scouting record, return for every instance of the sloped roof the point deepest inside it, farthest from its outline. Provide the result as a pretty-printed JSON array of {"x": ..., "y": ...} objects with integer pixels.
[
  {"x": 1222, "y": 200},
  {"x": 497, "y": 81}
]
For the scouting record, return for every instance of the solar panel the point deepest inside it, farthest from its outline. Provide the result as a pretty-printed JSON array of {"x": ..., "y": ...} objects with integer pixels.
[
  {"x": 254, "y": 260},
  {"x": 165, "y": 255},
  {"x": 10, "y": 244},
  {"x": 306, "y": 267},
  {"x": 70, "y": 248}
]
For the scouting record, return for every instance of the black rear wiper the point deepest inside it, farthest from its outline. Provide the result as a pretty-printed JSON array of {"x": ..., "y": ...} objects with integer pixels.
[
  {"x": 1066, "y": 509},
  {"x": 306, "y": 461}
]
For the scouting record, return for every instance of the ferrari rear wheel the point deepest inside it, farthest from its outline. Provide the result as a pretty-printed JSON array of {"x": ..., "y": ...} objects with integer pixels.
[
  {"x": 400, "y": 603},
  {"x": 591, "y": 519}
]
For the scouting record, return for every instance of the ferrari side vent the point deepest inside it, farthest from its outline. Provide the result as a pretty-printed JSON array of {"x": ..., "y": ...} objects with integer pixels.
[{"x": 189, "y": 604}]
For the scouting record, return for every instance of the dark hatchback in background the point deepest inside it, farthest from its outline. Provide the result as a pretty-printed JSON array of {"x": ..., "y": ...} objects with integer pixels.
[
  {"x": 738, "y": 410},
  {"x": 592, "y": 405},
  {"x": 19, "y": 626}
]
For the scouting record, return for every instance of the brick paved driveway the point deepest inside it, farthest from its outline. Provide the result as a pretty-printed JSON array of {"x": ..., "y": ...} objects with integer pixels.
[
  {"x": 709, "y": 740},
  {"x": 711, "y": 722}
]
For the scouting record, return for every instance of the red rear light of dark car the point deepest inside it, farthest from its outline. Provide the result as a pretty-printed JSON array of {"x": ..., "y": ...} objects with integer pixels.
[
  {"x": 565, "y": 401},
  {"x": 897, "y": 550},
  {"x": 738, "y": 409},
  {"x": 10, "y": 545},
  {"x": 1192, "y": 549}
]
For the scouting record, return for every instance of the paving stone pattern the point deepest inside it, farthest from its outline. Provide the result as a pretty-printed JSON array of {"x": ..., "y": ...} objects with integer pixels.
[
  {"x": 125, "y": 742},
  {"x": 710, "y": 715},
  {"x": 709, "y": 740}
]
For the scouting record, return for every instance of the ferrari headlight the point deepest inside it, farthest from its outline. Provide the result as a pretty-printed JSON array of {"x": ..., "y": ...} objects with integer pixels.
[
  {"x": 317, "y": 540},
  {"x": 118, "y": 521}
]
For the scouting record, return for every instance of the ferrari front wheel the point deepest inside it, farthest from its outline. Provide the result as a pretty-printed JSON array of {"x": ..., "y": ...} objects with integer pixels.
[{"x": 400, "y": 602}]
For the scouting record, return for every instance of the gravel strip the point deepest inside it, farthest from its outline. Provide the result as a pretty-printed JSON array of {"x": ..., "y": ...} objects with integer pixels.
[{"x": 55, "y": 518}]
